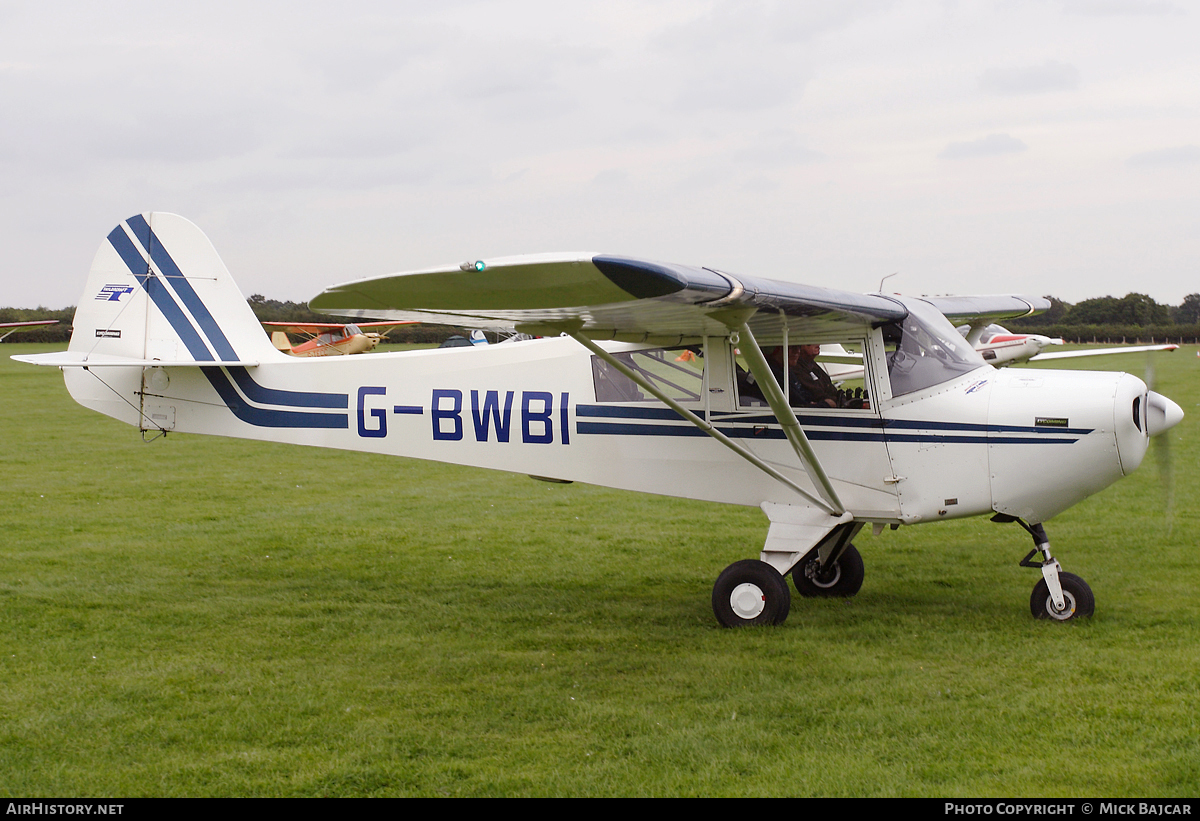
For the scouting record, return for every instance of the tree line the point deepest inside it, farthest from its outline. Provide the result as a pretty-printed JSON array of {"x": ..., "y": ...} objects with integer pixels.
[
  {"x": 1133, "y": 317},
  {"x": 265, "y": 310}
]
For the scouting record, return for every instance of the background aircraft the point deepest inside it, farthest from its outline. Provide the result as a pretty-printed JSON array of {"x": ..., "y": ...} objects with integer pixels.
[
  {"x": 999, "y": 346},
  {"x": 475, "y": 337},
  {"x": 328, "y": 338},
  {"x": 9, "y": 328}
]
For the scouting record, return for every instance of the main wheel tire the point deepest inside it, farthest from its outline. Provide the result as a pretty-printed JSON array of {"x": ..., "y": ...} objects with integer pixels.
[
  {"x": 1077, "y": 596},
  {"x": 750, "y": 592},
  {"x": 843, "y": 578}
]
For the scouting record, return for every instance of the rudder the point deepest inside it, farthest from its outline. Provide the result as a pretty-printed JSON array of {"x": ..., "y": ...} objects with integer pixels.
[{"x": 158, "y": 290}]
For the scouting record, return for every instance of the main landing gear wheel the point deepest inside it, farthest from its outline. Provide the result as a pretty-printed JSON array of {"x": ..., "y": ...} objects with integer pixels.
[
  {"x": 1077, "y": 598},
  {"x": 843, "y": 578},
  {"x": 750, "y": 592}
]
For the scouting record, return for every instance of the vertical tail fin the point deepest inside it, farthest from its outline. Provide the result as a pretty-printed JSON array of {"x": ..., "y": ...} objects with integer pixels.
[
  {"x": 158, "y": 290},
  {"x": 164, "y": 340}
]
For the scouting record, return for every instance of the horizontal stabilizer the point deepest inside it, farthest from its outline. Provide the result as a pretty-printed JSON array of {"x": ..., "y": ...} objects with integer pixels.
[{"x": 81, "y": 359}]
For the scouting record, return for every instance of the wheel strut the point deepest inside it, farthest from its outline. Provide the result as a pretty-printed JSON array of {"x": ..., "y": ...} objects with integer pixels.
[{"x": 1059, "y": 595}]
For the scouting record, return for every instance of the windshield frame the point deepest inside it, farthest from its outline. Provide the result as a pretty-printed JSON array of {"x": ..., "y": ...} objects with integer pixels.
[{"x": 924, "y": 350}]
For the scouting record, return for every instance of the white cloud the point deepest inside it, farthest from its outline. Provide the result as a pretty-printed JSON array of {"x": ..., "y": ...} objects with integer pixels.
[
  {"x": 989, "y": 146},
  {"x": 1166, "y": 157},
  {"x": 1114, "y": 8},
  {"x": 1049, "y": 76}
]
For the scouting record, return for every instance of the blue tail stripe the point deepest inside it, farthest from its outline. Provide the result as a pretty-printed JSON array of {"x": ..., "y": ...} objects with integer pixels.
[
  {"x": 172, "y": 273},
  {"x": 297, "y": 399},
  {"x": 266, "y": 418},
  {"x": 191, "y": 300},
  {"x": 158, "y": 293}
]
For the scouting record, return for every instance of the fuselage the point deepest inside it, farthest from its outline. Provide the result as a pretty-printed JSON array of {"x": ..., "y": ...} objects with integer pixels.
[{"x": 1029, "y": 444}]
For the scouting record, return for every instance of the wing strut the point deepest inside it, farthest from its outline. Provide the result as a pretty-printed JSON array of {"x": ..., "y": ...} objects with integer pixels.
[
  {"x": 784, "y": 413},
  {"x": 642, "y": 383}
]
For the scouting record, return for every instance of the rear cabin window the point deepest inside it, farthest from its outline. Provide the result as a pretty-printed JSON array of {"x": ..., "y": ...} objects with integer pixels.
[{"x": 677, "y": 372}]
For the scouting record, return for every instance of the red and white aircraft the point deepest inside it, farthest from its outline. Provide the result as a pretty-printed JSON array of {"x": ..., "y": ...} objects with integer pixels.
[{"x": 999, "y": 346}]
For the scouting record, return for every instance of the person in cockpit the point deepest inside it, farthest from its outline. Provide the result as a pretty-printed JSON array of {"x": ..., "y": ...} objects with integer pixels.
[{"x": 808, "y": 384}]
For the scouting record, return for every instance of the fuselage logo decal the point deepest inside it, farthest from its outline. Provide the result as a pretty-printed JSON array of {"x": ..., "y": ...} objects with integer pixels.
[{"x": 113, "y": 293}]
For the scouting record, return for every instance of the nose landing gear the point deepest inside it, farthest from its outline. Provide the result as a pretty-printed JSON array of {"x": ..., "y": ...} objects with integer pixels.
[{"x": 1059, "y": 595}]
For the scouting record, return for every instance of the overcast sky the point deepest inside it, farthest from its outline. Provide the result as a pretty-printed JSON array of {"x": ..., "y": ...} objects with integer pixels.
[{"x": 1025, "y": 146}]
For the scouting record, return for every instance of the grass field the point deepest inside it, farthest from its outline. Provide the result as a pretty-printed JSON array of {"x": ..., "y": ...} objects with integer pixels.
[{"x": 201, "y": 616}]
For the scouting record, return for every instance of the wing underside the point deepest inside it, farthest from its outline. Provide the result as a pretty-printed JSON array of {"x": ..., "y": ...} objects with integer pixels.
[
  {"x": 978, "y": 310},
  {"x": 604, "y": 297}
]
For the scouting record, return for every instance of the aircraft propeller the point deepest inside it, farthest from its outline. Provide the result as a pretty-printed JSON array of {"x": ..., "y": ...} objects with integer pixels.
[{"x": 1161, "y": 444}]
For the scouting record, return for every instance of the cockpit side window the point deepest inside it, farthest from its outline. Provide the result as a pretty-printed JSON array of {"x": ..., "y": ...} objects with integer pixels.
[{"x": 818, "y": 376}]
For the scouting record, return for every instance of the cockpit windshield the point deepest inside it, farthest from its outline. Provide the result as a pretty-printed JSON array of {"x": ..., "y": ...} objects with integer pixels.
[{"x": 923, "y": 350}]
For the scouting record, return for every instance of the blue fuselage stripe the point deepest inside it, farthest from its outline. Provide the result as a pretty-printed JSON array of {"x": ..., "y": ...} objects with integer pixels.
[
  {"x": 775, "y": 432},
  {"x": 623, "y": 412},
  {"x": 812, "y": 423},
  {"x": 266, "y": 417}
]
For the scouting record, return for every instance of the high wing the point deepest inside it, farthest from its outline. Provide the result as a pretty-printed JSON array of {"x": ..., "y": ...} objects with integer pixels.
[
  {"x": 603, "y": 297},
  {"x": 981, "y": 310}
]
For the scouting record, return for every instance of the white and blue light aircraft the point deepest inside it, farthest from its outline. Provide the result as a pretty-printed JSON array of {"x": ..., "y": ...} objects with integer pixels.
[{"x": 651, "y": 377}]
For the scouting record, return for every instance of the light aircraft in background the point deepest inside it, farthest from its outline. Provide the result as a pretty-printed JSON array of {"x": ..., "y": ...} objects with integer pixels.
[
  {"x": 328, "y": 338},
  {"x": 475, "y": 337},
  {"x": 9, "y": 328},
  {"x": 999, "y": 346},
  {"x": 607, "y": 397}
]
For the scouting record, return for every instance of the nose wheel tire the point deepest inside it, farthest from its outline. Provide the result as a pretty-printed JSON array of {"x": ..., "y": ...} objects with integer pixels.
[
  {"x": 1077, "y": 598},
  {"x": 843, "y": 578},
  {"x": 750, "y": 592}
]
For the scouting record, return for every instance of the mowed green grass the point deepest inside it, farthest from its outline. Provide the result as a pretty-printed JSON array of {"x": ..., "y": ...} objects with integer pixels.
[{"x": 200, "y": 616}]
